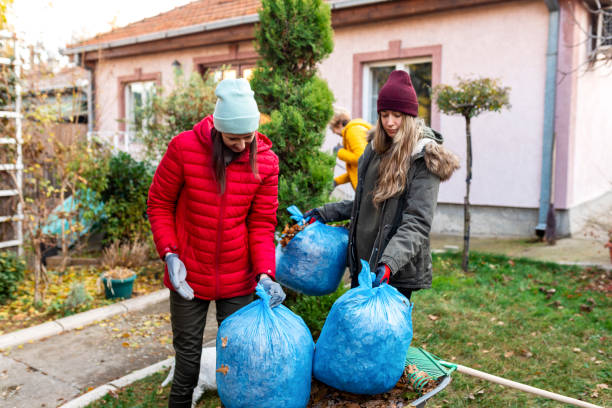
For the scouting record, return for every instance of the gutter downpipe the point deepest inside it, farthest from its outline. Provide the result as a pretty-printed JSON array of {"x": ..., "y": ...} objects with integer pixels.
[{"x": 550, "y": 94}]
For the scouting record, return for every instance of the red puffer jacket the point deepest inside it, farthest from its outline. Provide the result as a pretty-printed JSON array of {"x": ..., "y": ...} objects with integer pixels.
[{"x": 224, "y": 240}]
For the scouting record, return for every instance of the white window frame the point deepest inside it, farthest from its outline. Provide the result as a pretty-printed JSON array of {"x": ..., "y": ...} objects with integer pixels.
[
  {"x": 400, "y": 64},
  {"x": 602, "y": 43},
  {"x": 147, "y": 87}
]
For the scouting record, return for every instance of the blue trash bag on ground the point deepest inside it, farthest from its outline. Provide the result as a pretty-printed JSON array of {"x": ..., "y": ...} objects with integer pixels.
[
  {"x": 264, "y": 357},
  {"x": 314, "y": 261},
  {"x": 362, "y": 347}
]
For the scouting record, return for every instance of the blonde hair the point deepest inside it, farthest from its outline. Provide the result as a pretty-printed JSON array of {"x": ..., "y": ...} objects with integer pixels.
[
  {"x": 341, "y": 118},
  {"x": 395, "y": 157}
]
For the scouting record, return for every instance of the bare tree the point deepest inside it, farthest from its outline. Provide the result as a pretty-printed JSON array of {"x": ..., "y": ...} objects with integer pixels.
[{"x": 469, "y": 99}]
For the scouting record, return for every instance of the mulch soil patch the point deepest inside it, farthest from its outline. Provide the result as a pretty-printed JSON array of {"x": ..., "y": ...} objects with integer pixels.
[{"x": 400, "y": 396}]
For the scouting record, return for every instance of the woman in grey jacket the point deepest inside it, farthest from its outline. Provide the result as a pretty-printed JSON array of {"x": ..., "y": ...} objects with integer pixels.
[{"x": 399, "y": 175}]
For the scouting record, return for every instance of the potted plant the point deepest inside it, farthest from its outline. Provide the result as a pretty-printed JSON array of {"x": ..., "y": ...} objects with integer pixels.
[
  {"x": 609, "y": 243},
  {"x": 118, "y": 261}
]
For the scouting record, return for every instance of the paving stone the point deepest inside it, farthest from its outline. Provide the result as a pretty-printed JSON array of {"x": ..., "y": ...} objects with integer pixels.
[{"x": 24, "y": 386}]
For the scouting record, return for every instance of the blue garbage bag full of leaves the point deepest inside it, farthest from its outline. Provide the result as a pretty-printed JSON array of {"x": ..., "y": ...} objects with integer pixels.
[
  {"x": 362, "y": 347},
  {"x": 314, "y": 261},
  {"x": 264, "y": 357}
]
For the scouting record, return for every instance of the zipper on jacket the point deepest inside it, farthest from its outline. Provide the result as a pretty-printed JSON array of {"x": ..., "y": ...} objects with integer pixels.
[
  {"x": 218, "y": 245},
  {"x": 377, "y": 240}
]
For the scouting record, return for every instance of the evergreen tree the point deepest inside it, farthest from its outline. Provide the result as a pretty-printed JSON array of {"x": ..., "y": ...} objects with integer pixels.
[{"x": 292, "y": 37}]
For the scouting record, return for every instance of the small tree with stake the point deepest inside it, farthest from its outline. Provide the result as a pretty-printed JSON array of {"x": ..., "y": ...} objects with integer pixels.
[{"x": 469, "y": 99}]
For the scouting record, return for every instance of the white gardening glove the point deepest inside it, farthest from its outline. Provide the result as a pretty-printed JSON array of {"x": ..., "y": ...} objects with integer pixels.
[
  {"x": 273, "y": 289},
  {"x": 178, "y": 273}
]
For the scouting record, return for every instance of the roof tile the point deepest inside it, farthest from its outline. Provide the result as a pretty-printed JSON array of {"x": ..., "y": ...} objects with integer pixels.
[{"x": 197, "y": 12}]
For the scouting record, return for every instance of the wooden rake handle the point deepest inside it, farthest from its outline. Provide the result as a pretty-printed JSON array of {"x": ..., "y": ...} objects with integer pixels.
[{"x": 522, "y": 387}]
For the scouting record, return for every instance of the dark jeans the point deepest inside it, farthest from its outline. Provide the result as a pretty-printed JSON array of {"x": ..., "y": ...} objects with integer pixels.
[{"x": 188, "y": 320}]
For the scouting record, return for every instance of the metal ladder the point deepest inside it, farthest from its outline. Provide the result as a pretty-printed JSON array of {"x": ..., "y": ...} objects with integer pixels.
[{"x": 17, "y": 140}]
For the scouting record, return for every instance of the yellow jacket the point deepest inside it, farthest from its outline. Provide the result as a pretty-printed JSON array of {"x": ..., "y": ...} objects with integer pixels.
[{"x": 354, "y": 140}]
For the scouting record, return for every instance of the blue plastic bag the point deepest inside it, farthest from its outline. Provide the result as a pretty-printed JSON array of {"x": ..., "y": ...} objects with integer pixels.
[
  {"x": 264, "y": 357},
  {"x": 362, "y": 347},
  {"x": 314, "y": 261}
]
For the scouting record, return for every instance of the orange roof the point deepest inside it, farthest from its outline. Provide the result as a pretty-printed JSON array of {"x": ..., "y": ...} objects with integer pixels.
[{"x": 197, "y": 12}]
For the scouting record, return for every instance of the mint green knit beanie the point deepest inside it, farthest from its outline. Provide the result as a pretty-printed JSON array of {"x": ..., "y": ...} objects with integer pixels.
[{"x": 236, "y": 110}]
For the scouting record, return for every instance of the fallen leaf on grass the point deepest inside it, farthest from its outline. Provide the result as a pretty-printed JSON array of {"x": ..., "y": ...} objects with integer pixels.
[
  {"x": 508, "y": 354},
  {"x": 602, "y": 387},
  {"x": 433, "y": 317},
  {"x": 576, "y": 350}
]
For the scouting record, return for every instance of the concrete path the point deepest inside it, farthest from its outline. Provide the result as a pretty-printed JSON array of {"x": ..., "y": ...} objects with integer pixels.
[
  {"x": 50, "y": 372},
  {"x": 580, "y": 251}
]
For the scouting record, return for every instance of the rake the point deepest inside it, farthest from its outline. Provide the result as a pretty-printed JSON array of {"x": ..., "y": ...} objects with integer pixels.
[{"x": 440, "y": 370}]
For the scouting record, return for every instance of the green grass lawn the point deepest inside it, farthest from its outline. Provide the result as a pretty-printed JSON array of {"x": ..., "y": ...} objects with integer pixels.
[{"x": 541, "y": 324}]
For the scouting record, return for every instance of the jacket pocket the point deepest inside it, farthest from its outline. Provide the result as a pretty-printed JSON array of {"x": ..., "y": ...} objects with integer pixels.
[
  {"x": 414, "y": 273},
  {"x": 187, "y": 254}
]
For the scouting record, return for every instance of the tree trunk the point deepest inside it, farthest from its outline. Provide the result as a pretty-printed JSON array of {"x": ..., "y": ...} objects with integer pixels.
[
  {"x": 38, "y": 273},
  {"x": 63, "y": 217},
  {"x": 466, "y": 201}
]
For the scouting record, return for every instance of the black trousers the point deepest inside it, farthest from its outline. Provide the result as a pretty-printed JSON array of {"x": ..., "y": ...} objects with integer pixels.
[{"x": 188, "y": 319}]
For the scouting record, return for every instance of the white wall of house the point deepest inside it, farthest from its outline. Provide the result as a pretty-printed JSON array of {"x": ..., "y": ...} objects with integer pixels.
[
  {"x": 506, "y": 41},
  {"x": 592, "y": 167}
]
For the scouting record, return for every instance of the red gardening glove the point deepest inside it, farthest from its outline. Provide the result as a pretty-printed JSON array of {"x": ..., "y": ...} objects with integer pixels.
[{"x": 383, "y": 273}]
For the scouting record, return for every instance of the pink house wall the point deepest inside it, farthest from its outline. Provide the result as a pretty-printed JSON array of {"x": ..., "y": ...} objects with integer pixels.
[
  {"x": 108, "y": 71},
  {"x": 506, "y": 41}
]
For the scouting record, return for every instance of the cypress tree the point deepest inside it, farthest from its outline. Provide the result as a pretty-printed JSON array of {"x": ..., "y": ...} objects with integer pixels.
[{"x": 291, "y": 38}]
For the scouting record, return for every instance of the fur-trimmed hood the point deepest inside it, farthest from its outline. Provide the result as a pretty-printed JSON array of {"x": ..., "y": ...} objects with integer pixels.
[{"x": 439, "y": 160}]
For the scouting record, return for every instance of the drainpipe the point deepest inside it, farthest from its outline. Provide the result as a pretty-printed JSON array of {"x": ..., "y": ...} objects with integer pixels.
[{"x": 549, "y": 114}]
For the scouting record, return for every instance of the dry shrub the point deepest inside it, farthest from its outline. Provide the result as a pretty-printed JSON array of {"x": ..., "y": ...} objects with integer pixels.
[
  {"x": 118, "y": 273},
  {"x": 127, "y": 255}
]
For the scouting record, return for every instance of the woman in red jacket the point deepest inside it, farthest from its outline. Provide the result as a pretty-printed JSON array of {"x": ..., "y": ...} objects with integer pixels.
[{"x": 212, "y": 207}]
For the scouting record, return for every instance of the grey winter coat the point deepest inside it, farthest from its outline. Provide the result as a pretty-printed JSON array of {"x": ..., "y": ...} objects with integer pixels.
[{"x": 402, "y": 240}]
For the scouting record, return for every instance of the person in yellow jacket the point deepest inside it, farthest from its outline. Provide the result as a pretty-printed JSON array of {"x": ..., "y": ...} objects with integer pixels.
[{"x": 354, "y": 140}]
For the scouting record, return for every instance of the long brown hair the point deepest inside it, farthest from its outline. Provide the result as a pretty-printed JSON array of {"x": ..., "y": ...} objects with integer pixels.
[
  {"x": 395, "y": 156},
  {"x": 219, "y": 157}
]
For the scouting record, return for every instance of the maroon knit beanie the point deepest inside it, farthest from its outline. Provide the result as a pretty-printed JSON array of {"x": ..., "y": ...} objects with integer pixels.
[{"x": 397, "y": 94}]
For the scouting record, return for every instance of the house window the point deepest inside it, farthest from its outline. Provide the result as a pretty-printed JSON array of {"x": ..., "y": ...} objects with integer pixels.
[
  {"x": 229, "y": 71},
  {"x": 602, "y": 30},
  {"x": 136, "y": 96},
  {"x": 376, "y": 74}
]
